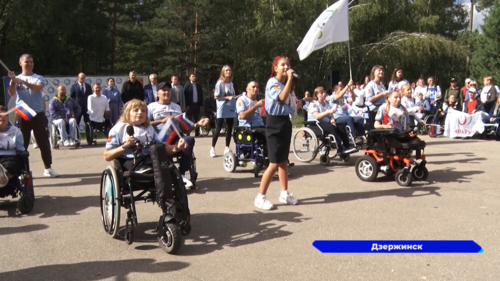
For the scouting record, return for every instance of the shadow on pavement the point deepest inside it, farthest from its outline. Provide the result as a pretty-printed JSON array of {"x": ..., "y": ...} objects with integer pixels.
[
  {"x": 84, "y": 179},
  {"x": 351, "y": 196},
  {"x": 216, "y": 231},
  {"x": 22, "y": 229},
  {"x": 94, "y": 270},
  {"x": 49, "y": 206},
  {"x": 449, "y": 175}
]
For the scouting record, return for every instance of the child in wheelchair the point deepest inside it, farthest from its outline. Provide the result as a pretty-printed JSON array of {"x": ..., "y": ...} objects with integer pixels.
[
  {"x": 391, "y": 145},
  {"x": 14, "y": 168},
  {"x": 143, "y": 159}
]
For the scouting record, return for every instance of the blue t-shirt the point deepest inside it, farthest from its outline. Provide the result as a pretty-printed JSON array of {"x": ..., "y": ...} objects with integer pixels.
[
  {"x": 316, "y": 106},
  {"x": 244, "y": 103},
  {"x": 31, "y": 98},
  {"x": 274, "y": 106},
  {"x": 372, "y": 89},
  {"x": 225, "y": 108}
]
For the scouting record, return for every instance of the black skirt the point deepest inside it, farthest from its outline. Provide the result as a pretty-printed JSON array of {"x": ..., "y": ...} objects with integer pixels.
[{"x": 279, "y": 135}]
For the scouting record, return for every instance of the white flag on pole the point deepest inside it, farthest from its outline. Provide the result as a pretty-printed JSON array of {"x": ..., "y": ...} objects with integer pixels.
[{"x": 330, "y": 27}]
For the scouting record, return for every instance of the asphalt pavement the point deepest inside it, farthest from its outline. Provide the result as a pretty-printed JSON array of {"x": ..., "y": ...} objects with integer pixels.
[{"x": 63, "y": 238}]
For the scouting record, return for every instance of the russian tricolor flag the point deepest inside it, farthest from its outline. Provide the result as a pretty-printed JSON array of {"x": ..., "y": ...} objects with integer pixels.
[
  {"x": 185, "y": 123},
  {"x": 169, "y": 133},
  {"x": 23, "y": 110}
]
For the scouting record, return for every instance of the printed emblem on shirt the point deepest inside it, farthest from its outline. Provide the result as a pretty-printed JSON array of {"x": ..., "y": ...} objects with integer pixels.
[
  {"x": 110, "y": 138},
  {"x": 239, "y": 103},
  {"x": 276, "y": 87},
  {"x": 314, "y": 105},
  {"x": 369, "y": 91}
]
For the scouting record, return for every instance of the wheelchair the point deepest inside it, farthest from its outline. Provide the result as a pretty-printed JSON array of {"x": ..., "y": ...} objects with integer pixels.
[
  {"x": 386, "y": 152},
  {"x": 55, "y": 136},
  {"x": 311, "y": 140},
  {"x": 92, "y": 129},
  {"x": 123, "y": 188},
  {"x": 22, "y": 187},
  {"x": 251, "y": 146}
]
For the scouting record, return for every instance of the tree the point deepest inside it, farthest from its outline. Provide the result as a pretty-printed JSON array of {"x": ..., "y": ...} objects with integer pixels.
[{"x": 485, "y": 60}]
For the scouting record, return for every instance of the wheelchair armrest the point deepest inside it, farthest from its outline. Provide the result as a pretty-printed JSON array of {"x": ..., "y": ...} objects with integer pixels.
[
  {"x": 23, "y": 154},
  {"x": 310, "y": 123}
]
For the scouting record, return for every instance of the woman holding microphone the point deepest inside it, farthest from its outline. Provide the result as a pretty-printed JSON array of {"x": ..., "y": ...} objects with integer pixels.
[{"x": 278, "y": 105}]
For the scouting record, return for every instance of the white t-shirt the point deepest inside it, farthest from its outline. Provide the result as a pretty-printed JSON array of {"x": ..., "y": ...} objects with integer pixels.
[
  {"x": 96, "y": 107},
  {"x": 484, "y": 93}
]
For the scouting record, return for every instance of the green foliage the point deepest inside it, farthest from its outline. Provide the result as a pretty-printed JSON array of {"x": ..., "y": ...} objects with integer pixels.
[
  {"x": 487, "y": 47},
  {"x": 183, "y": 36}
]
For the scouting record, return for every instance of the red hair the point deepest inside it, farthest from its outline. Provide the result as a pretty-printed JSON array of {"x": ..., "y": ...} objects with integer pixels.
[{"x": 275, "y": 64}]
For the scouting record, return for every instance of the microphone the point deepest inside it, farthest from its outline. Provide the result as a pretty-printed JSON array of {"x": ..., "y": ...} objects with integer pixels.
[
  {"x": 296, "y": 75},
  {"x": 130, "y": 130}
]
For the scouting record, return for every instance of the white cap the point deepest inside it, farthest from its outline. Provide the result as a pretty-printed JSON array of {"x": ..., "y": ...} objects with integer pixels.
[
  {"x": 467, "y": 80},
  {"x": 472, "y": 89}
]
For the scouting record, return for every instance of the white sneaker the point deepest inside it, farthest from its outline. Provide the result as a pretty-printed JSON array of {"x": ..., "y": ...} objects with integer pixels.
[
  {"x": 290, "y": 200},
  {"x": 50, "y": 173},
  {"x": 187, "y": 182},
  {"x": 66, "y": 143},
  {"x": 263, "y": 203},
  {"x": 227, "y": 149},
  {"x": 35, "y": 146},
  {"x": 212, "y": 152}
]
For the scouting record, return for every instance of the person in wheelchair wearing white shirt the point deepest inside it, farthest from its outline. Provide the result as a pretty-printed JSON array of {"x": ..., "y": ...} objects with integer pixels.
[
  {"x": 63, "y": 110},
  {"x": 98, "y": 109}
]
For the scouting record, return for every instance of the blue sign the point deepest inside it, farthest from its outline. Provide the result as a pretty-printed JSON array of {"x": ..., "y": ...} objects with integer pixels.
[{"x": 403, "y": 246}]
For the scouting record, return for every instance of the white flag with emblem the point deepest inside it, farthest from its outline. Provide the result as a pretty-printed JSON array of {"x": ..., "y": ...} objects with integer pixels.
[{"x": 330, "y": 27}]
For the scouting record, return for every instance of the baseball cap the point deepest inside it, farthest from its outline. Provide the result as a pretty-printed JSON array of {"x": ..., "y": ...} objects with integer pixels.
[
  {"x": 472, "y": 89},
  {"x": 162, "y": 85},
  {"x": 453, "y": 80},
  {"x": 467, "y": 81}
]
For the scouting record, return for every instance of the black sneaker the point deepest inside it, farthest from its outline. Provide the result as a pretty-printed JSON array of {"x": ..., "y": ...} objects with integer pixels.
[{"x": 350, "y": 150}]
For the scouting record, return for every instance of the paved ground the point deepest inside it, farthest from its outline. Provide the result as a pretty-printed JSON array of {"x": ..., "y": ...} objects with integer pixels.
[{"x": 63, "y": 239}]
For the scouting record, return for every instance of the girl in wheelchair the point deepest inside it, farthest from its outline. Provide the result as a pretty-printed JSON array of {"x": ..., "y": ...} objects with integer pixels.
[
  {"x": 320, "y": 110},
  {"x": 132, "y": 130}
]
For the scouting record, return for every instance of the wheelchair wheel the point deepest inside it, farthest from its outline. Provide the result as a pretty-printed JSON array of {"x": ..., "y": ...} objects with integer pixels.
[
  {"x": 404, "y": 180},
  {"x": 419, "y": 173},
  {"x": 54, "y": 139},
  {"x": 324, "y": 159},
  {"x": 89, "y": 134},
  {"x": 26, "y": 203},
  {"x": 257, "y": 167},
  {"x": 428, "y": 120},
  {"x": 229, "y": 162},
  {"x": 305, "y": 145},
  {"x": 171, "y": 239},
  {"x": 110, "y": 201},
  {"x": 366, "y": 168}
]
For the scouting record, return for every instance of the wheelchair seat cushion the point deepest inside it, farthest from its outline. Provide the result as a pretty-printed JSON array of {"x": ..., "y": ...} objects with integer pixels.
[{"x": 413, "y": 145}]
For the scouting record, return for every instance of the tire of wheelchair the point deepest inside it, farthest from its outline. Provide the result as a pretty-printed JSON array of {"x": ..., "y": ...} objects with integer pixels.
[
  {"x": 54, "y": 137},
  {"x": 404, "y": 180},
  {"x": 110, "y": 201},
  {"x": 307, "y": 135},
  {"x": 367, "y": 168},
  {"x": 89, "y": 134}
]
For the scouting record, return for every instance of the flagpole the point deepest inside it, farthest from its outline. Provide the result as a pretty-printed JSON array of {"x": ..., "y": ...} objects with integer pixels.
[{"x": 349, "y": 43}]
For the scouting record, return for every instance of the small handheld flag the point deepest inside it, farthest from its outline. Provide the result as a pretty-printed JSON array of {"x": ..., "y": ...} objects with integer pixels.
[
  {"x": 185, "y": 123},
  {"x": 169, "y": 133},
  {"x": 23, "y": 110}
]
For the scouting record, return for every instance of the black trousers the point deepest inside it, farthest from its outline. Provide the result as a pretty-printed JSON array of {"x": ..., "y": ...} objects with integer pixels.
[
  {"x": 193, "y": 114},
  {"x": 38, "y": 125},
  {"x": 229, "y": 130},
  {"x": 339, "y": 132}
]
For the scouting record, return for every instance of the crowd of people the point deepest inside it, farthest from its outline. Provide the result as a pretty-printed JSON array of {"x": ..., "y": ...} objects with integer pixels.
[{"x": 340, "y": 113}]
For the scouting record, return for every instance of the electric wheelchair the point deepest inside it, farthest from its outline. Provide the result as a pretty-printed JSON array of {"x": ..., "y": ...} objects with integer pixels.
[
  {"x": 93, "y": 128},
  {"x": 21, "y": 186},
  {"x": 251, "y": 146},
  {"x": 391, "y": 152},
  {"x": 311, "y": 140},
  {"x": 55, "y": 136},
  {"x": 121, "y": 188}
]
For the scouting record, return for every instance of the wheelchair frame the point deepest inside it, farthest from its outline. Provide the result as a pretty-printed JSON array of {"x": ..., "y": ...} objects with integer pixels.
[
  {"x": 391, "y": 160},
  {"x": 306, "y": 136},
  {"x": 91, "y": 132},
  {"x": 24, "y": 187},
  {"x": 251, "y": 150},
  {"x": 55, "y": 137},
  {"x": 117, "y": 190}
]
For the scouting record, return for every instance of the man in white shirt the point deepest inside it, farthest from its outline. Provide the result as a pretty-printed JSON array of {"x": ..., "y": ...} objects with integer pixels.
[
  {"x": 488, "y": 93},
  {"x": 98, "y": 108}
]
